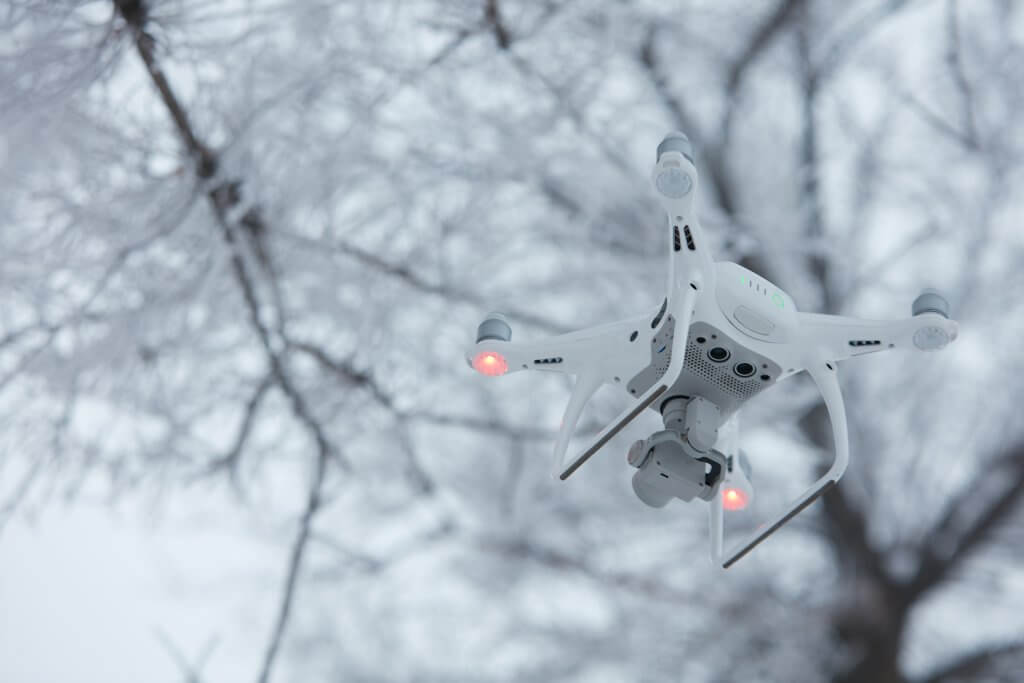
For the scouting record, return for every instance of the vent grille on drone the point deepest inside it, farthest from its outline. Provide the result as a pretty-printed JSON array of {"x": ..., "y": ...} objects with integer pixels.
[
  {"x": 719, "y": 374},
  {"x": 661, "y": 366}
]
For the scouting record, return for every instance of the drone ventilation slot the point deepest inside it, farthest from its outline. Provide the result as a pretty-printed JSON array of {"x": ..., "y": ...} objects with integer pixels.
[
  {"x": 689, "y": 239},
  {"x": 661, "y": 313},
  {"x": 676, "y": 243}
]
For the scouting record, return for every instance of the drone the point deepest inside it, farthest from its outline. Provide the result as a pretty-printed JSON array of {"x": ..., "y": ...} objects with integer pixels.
[{"x": 722, "y": 335}]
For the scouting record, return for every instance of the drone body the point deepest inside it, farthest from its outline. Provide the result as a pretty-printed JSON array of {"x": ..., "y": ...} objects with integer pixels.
[{"x": 722, "y": 335}]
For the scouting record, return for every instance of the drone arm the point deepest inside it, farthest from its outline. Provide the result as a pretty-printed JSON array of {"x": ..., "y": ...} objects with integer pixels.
[
  {"x": 840, "y": 337},
  {"x": 607, "y": 353},
  {"x": 824, "y": 375},
  {"x": 675, "y": 180},
  {"x": 607, "y": 350}
]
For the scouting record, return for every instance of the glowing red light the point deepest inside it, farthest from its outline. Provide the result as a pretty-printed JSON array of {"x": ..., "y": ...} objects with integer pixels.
[
  {"x": 490, "y": 363},
  {"x": 734, "y": 499}
]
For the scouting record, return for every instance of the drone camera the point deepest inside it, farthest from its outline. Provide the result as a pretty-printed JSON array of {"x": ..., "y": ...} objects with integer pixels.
[{"x": 668, "y": 466}]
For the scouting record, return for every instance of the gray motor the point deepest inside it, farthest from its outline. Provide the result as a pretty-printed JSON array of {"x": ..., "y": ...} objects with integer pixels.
[
  {"x": 931, "y": 337},
  {"x": 494, "y": 326},
  {"x": 676, "y": 142},
  {"x": 930, "y": 301}
]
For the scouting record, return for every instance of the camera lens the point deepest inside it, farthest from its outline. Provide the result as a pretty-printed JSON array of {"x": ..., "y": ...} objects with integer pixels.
[
  {"x": 744, "y": 369},
  {"x": 718, "y": 354}
]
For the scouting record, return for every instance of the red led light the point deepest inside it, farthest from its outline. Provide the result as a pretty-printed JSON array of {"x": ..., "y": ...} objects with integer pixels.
[
  {"x": 490, "y": 363},
  {"x": 734, "y": 499}
]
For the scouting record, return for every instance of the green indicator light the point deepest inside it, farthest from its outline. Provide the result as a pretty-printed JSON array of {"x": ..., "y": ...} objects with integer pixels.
[{"x": 778, "y": 301}]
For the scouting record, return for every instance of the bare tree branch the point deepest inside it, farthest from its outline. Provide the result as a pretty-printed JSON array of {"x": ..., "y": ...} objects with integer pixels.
[
  {"x": 418, "y": 282},
  {"x": 299, "y": 544},
  {"x": 983, "y": 505},
  {"x": 363, "y": 379},
  {"x": 1001, "y": 663},
  {"x": 230, "y": 459},
  {"x": 773, "y": 24},
  {"x": 191, "y": 672},
  {"x": 223, "y": 198},
  {"x": 492, "y": 15},
  {"x": 649, "y": 586},
  {"x": 937, "y": 122},
  {"x": 955, "y": 60},
  {"x": 836, "y": 54}
]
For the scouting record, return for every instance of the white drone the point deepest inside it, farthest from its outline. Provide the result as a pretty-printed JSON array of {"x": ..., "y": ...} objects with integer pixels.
[{"x": 738, "y": 334}]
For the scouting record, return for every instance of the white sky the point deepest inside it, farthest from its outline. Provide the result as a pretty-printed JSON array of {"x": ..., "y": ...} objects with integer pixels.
[{"x": 85, "y": 591}]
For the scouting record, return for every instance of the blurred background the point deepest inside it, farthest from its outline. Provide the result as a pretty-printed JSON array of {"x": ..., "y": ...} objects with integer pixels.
[{"x": 245, "y": 244}]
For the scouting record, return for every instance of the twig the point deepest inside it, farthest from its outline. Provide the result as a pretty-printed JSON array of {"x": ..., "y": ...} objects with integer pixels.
[
  {"x": 191, "y": 673},
  {"x": 976, "y": 665},
  {"x": 954, "y": 539},
  {"x": 230, "y": 459},
  {"x": 954, "y": 58},
  {"x": 492, "y": 15},
  {"x": 298, "y": 550}
]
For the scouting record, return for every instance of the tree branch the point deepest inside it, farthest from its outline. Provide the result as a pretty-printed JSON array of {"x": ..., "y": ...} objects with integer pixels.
[
  {"x": 360, "y": 378},
  {"x": 313, "y": 502},
  {"x": 955, "y": 61},
  {"x": 954, "y": 539},
  {"x": 981, "y": 664},
  {"x": 230, "y": 459},
  {"x": 492, "y": 16},
  {"x": 223, "y": 198},
  {"x": 416, "y": 281},
  {"x": 813, "y": 210},
  {"x": 191, "y": 672},
  {"x": 643, "y": 584},
  {"x": 772, "y": 25}
]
